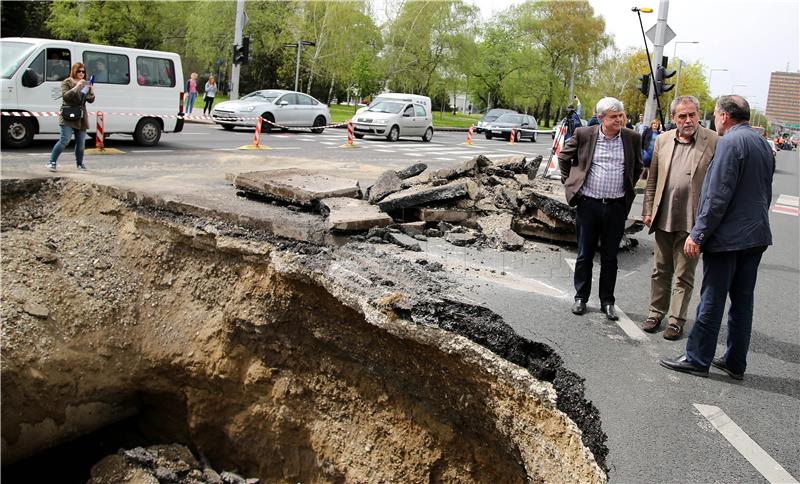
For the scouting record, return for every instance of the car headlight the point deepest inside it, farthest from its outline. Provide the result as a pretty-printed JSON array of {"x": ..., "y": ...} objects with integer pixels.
[
  {"x": 247, "y": 108},
  {"x": 380, "y": 121}
]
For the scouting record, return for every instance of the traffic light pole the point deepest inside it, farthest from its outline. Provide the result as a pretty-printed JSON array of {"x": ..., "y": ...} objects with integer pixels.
[
  {"x": 237, "y": 41},
  {"x": 653, "y": 102}
]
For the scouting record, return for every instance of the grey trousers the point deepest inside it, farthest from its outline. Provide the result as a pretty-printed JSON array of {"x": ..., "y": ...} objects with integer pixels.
[{"x": 671, "y": 262}]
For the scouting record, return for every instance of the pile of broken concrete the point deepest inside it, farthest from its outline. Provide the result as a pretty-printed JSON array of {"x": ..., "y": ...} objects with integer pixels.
[{"x": 481, "y": 202}]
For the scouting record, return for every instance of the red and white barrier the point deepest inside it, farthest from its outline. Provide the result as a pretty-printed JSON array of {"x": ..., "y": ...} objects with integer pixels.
[
  {"x": 257, "y": 133},
  {"x": 513, "y": 138},
  {"x": 469, "y": 136},
  {"x": 558, "y": 144},
  {"x": 98, "y": 140}
]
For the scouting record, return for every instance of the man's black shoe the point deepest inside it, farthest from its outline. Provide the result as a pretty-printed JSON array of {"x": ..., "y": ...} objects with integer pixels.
[
  {"x": 683, "y": 365},
  {"x": 579, "y": 307},
  {"x": 720, "y": 363},
  {"x": 610, "y": 311}
]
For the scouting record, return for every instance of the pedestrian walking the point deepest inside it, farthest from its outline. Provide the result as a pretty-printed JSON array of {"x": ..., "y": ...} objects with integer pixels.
[
  {"x": 732, "y": 230},
  {"x": 76, "y": 91},
  {"x": 641, "y": 125},
  {"x": 649, "y": 136},
  {"x": 210, "y": 92},
  {"x": 680, "y": 161},
  {"x": 191, "y": 88},
  {"x": 599, "y": 168}
]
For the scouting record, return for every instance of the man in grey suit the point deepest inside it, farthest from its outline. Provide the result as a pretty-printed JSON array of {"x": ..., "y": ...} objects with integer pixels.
[
  {"x": 680, "y": 160},
  {"x": 599, "y": 168}
]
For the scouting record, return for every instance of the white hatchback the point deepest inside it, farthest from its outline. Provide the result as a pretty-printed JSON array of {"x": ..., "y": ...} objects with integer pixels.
[{"x": 394, "y": 118}]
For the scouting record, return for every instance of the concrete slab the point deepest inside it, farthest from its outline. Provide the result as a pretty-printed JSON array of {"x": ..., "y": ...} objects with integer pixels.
[
  {"x": 442, "y": 214},
  {"x": 420, "y": 195},
  {"x": 296, "y": 186},
  {"x": 351, "y": 215},
  {"x": 532, "y": 228}
]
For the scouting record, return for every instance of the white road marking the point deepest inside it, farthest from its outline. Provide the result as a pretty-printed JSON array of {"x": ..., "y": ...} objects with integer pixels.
[
  {"x": 444, "y": 159},
  {"x": 629, "y": 327},
  {"x": 286, "y": 148},
  {"x": 413, "y": 154},
  {"x": 758, "y": 457},
  {"x": 787, "y": 210},
  {"x": 384, "y": 151},
  {"x": 152, "y": 151},
  {"x": 571, "y": 263},
  {"x": 224, "y": 149},
  {"x": 790, "y": 200},
  {"x": 327, "y": 142}
]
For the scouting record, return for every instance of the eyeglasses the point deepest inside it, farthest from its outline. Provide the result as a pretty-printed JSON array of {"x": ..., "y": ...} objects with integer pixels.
[{"x": 81, "y": 71}]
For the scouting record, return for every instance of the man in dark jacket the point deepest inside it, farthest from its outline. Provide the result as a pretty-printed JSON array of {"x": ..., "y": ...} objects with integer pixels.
[
  {"x": 732, "y": 230},
  {"x": 599, "y": 168}
]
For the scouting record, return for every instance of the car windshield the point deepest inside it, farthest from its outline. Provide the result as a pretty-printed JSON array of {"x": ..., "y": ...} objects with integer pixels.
[
  {"x": 12, "y": 55},
  {"x": 387, "y": 107},
  {"x": 261, "y": 96},
  {"x": 510, "y": 118}
]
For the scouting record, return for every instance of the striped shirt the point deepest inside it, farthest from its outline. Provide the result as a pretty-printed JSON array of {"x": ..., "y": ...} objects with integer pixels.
[{"x": 606, "y": 174}]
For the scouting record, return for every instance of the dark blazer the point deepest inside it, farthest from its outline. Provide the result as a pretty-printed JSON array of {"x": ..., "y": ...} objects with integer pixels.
[
  {"x": 576, "y": 157},
  {"x": 733, "y": 213}
]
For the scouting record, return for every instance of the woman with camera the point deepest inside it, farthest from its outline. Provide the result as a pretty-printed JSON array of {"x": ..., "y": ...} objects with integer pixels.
[{"x": 76, "y": 91}]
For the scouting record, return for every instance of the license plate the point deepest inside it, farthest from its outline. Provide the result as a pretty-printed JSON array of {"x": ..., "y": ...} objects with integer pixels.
[{"x": 497, "y": 131}]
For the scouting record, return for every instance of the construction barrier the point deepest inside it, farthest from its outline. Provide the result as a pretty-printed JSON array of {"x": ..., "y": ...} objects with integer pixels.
[
  {"x": 349, "y": 143},
  {"x": 469, "y": 136},
  {"x": 558, "y": 144},
  {"x": 513, "y": 137},
  {"x": 99, "y": 139},
  {"x": 256, "y": 137}
]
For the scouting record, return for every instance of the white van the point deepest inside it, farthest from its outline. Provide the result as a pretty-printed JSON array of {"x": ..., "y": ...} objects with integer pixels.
[
  {"x": 394, "y": 115},
  {"x": 140, "y": 92}
]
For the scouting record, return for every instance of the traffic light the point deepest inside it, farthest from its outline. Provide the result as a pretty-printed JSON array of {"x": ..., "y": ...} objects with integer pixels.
[
  {"x": 242, "y": 54},
  {"x": 661, "y": 75},
  {"x": 644, "y": 87}
]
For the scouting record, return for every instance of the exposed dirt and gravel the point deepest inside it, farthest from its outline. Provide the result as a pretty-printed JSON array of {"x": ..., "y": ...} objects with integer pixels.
[{"x": 271, "y": 358}]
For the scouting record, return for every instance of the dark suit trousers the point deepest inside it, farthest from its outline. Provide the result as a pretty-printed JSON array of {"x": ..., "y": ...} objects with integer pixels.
[{"x": 604, "y": 222}]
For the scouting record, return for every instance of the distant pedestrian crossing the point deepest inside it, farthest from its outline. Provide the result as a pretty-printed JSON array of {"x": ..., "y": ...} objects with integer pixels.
[{"x": 787, "y": 204}]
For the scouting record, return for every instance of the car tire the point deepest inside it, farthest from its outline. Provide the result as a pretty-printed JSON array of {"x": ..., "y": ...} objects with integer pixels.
[
  {"x": 266, "y": 127},
  {"x": 147, "y": 132},
  {"x": 428, "y": 135},
  {"x": 227, "y": 127},
  {"x": 488, "y": 135},
  {"x": 17, "y": 132},
  {"x": 318, "y": 121},
  {"x": 394, "y": 133},
  {"x": 358, "y": 135},
  {"x": 517, "y": 136},
  {"x": 533, "y": 137}
]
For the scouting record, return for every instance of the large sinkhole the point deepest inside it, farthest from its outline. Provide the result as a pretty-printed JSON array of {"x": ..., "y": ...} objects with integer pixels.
[{"x": 132, "y": 326}]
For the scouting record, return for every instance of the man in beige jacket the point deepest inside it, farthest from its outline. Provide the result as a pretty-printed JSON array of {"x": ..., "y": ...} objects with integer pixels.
[{"x": 680, "y": 160}]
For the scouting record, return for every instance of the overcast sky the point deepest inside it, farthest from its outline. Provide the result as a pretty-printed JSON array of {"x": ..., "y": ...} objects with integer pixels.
[{"x": 749, "y": 38}]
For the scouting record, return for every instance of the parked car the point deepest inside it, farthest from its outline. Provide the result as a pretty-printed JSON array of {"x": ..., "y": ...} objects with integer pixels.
[
  {"x": 489, "y": 117},
  {"x": 394, "y": 118},
  {"x": 524, "y": 127},
  {"x": 288, "y": 109}
]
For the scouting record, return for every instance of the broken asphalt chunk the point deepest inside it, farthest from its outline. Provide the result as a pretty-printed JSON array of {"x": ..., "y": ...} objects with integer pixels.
[
  {"x": 296, "y": 186},
  {"x": 420, "y": 195},
  {"x": 350, "y": 214}
]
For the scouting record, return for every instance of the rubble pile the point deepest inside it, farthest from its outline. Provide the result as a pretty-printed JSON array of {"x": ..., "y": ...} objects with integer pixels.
[{"x": 479, "y": 202}]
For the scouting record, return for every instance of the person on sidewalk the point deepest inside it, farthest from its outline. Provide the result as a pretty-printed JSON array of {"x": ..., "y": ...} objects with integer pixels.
[
  {"x": 679, "y": 164},
  {"x": 191, "y": 88},
  {"x": 599, "y": 168},
  {"x": 210, "y": 92},
  {"x": 732, "y": 230},
  {"x": 75, "y": 91}
]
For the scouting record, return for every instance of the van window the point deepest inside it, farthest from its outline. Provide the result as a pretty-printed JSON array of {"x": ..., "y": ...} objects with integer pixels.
[
  {"x": 152, "y": 71},
  {"x": 58, "y": 64},
  {"x": 37, "y": 66},
  {"x": 419, "y": 111},
  {"x": 12, "y": 55},
  {"x": 408, "y": 111},
  {"x": 107, "y": 68}
]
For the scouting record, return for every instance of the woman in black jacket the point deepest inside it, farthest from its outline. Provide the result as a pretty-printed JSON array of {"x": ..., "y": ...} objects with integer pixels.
[{"x": 76, "y": 91}]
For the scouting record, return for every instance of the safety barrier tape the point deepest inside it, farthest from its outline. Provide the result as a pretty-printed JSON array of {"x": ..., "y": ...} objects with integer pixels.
[{"x": 45, "y": 114}]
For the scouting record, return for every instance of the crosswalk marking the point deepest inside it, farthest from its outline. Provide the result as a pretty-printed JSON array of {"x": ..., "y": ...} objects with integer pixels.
[
  {"x": 787, "y": 210},
  {"x": 758, "y": 457},
  {"x": 789, "y": 200}
]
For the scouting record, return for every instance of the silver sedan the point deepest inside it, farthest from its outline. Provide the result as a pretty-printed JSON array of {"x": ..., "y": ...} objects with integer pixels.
[{"x": 278, "y": 108}]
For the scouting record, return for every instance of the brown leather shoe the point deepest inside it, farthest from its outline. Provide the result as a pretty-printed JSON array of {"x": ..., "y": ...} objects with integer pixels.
[
  {"x": 651, "y": 324},
  {"x": 673, "y": 332}
]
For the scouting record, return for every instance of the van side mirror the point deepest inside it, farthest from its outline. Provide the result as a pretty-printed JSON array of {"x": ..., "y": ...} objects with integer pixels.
[{"x": 30, "y": 78}]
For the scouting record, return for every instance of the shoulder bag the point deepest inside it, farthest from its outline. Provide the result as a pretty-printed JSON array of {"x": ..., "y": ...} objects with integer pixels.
[{"x": 71, "y": 113}]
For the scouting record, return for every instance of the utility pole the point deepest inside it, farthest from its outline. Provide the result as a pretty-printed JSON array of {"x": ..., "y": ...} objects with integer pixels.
[
  {"x": 299, "y": 46},
  {"x": 572, "y": 81},
  {"x": 650, "y": 109},
  {"x": 237, "y": 41}
]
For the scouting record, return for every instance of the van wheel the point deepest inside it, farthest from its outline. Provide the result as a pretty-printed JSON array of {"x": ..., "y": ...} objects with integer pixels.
[
  {"x": 17, "y": 132},
  {"x": 265, "y": 126},
  {"x": 428, "y": 135},
  {"x": 148, "y": 132},
  {"x": 394, "y": 133},
  {"x": 319, "y": 121}
]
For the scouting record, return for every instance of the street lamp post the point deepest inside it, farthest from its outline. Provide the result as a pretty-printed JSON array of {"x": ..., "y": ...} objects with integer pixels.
[
  {"x": 711, "y": 73},
  {"x": 659, "y": 46},
  {"x": 680, "y": 63}
]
